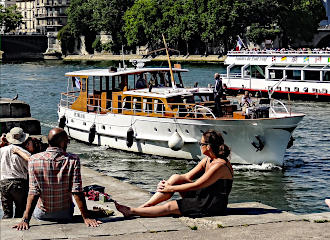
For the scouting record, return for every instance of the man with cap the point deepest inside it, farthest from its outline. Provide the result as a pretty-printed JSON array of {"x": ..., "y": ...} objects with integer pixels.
[{"x": 14, "y": 174}]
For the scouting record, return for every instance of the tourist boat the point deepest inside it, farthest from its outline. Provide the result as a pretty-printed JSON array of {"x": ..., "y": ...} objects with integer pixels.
[
  {"x": 104, "y": 107},
  {"x": 301, "y": 75}
]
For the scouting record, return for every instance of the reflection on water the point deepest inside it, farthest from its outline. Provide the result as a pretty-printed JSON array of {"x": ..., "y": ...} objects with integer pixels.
[{"x": 300, "y": 186}]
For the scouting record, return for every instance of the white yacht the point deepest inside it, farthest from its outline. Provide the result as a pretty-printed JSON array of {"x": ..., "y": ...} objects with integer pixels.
[
  {"x": 104, "y": 107},
  {"x": 301, "y": 75}
]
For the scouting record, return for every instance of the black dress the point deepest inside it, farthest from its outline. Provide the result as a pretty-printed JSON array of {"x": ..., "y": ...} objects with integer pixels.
[{"x": 209, "y": 201}]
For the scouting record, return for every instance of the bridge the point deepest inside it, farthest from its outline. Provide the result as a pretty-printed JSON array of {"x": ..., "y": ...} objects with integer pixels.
[{"x": 18, "y": 47}]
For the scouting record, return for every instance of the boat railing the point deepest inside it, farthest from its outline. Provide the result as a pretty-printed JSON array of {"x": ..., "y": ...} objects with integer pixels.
[
  {"x": 133, "y": 107},
  {"x": 279, "y": 52},
  {"x": 280, "y": 104}
]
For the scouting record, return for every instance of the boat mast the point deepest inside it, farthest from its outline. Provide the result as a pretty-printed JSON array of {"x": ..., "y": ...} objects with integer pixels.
[{"x": 169, "y": 63}]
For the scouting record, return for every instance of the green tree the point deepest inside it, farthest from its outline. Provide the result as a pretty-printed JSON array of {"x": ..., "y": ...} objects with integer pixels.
[
  {"x": 223, "y": 21},
  {"x": 10, "y": 18},
  {"x": 107, "y": 16},
  {"x": 80, "y": 22},
  {"x": 291, "y": 20},
  {"x": 142, "y": 23}
]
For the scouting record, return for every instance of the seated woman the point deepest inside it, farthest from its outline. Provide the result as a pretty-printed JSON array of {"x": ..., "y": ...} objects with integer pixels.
[{"x": 205, "y": 196}]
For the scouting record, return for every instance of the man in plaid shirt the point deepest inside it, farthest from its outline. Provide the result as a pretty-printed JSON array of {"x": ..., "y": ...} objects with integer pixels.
[{"x": 54, "y": 176}]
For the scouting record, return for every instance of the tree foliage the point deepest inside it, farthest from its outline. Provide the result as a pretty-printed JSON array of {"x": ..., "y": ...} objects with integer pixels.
[
  {"x": 195, "y": 25},
  {"x": 10, "y": 18}
]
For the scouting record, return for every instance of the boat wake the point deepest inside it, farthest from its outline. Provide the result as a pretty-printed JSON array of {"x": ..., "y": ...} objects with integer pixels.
[{"x": 265, "y": 167}]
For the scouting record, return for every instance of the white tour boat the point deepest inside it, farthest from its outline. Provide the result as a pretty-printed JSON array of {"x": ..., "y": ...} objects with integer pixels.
[
  {"x": 105, "y": 107},
  {"x": 301, "y": 75}
]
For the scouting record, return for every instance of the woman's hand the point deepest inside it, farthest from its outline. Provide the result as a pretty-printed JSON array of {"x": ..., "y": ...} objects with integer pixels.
[{"x": 164, "y": 186}]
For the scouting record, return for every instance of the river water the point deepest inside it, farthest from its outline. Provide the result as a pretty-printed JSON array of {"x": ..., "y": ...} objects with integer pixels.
[{"x": 300, "y": 186}]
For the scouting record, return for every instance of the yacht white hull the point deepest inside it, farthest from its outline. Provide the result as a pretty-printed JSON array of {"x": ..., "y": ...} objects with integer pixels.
[{"x": 152, "y": 134}]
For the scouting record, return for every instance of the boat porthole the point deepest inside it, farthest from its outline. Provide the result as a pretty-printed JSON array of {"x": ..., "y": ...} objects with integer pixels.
[
  {"x": 109, "y": 127},
  {"x": 71, "y": 120},
  {"x": 116, "y": 139},
  {"x": 84, "y": 123},
  {"x": 169, "y": 130},
  {"x": 187, "y": 131},
  {"x": 103, "y": 127},
  {"x": 155, "y": 129},
  {"x": 144, "y": 143}
]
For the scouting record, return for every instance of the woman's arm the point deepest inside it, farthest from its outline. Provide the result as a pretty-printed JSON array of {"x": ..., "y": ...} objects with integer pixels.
[
  {"x": 208, "y": 178},
  {"x": 20, "y": 153},
  {"x": 193, "y": 172}
]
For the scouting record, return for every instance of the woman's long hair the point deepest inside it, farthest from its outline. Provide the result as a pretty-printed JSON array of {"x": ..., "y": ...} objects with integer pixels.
[{"x": 216, "y": 142}]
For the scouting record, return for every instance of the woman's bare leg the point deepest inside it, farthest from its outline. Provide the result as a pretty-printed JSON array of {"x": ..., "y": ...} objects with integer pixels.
[
  {"x": 159, "y": 197},
  {"x": 154, "y": 211}
]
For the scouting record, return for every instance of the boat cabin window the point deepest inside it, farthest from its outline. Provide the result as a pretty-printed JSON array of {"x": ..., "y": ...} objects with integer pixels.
[
  {"x": 147, "y": 105},
  {"x": 326, "y": 75},
  {"x": 137, "y": 106},
  {"x": 165, "y": 79},
  {"x": 293, "y": 74},
  {"x": 97, "y": 84},
  {"x": 127, "y": 103},
  {"x": 158, "y": 106},
  {"x": 278, "y": 74},
  {"x": 78, "y": 83},
  {"x": 312, "y": 75},
  {"x": 258, "y": 72}
]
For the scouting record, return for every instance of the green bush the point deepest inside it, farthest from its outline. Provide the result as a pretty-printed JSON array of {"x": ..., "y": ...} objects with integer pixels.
[{"x": 97, "y": 45}]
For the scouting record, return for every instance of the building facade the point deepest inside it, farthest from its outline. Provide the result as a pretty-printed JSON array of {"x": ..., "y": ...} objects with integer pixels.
[
  {"x": 7, "y": 3},
  {"x": 50, "y": 15},
  {"x": 45, "y": 17},
  {"x": 27, "y": 9}
]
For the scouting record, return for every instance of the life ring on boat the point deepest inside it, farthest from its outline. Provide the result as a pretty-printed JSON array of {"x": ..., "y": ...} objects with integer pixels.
[
  {"x": 175, "y": 142},
  {"x": 62, "y": 122},
  {"x": 130, "y": 137},
  {"x": 91, "y": 134}
]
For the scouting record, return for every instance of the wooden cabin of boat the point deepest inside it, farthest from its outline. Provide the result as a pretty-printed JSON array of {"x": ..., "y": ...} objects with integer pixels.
[{"x": 115, "y": 91}]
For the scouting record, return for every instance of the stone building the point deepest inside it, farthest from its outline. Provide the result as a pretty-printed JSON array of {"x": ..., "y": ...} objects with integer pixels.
[
  {"x": 45, "y": 17},
  {"x": 27, "y": 9}
]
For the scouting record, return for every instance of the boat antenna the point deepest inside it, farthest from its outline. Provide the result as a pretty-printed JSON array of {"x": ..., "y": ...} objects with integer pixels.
[{"x": 169, "y": 63}]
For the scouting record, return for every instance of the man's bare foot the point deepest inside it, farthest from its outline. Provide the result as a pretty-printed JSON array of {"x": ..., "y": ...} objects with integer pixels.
[
  {"x": 126, "y": 211},
  {"x": 327, "y": 201}
]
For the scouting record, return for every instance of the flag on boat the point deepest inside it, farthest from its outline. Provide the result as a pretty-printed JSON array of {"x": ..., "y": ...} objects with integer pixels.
[
  {"x": 318, "y": 59},
  {"x": 306, "y": 59},
  {"x": 239, "y": 44},
  {"x": 76, "y": 82},
  {"x": 283, "y": 58},
  {"x": 329, "y": 60}
]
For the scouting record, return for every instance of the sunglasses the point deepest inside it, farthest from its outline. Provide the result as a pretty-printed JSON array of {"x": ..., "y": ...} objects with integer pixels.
[{"x": 202, "y": 144}]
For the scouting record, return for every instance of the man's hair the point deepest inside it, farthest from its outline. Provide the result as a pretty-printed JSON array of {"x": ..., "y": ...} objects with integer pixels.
[{"x": 57, "y": 138}]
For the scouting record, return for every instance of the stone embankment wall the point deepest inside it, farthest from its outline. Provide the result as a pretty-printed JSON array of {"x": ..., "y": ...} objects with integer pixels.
[
  {"x": 178, "y": 58},
  {"x": 15, "y": 113}
]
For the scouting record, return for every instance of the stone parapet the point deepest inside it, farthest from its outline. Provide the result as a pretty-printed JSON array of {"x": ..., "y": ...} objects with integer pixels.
[{"x": 16, "y": 113}]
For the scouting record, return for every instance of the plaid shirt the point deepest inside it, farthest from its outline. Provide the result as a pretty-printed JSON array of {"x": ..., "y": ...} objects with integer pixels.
[{"x": 54, "y": 175}]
